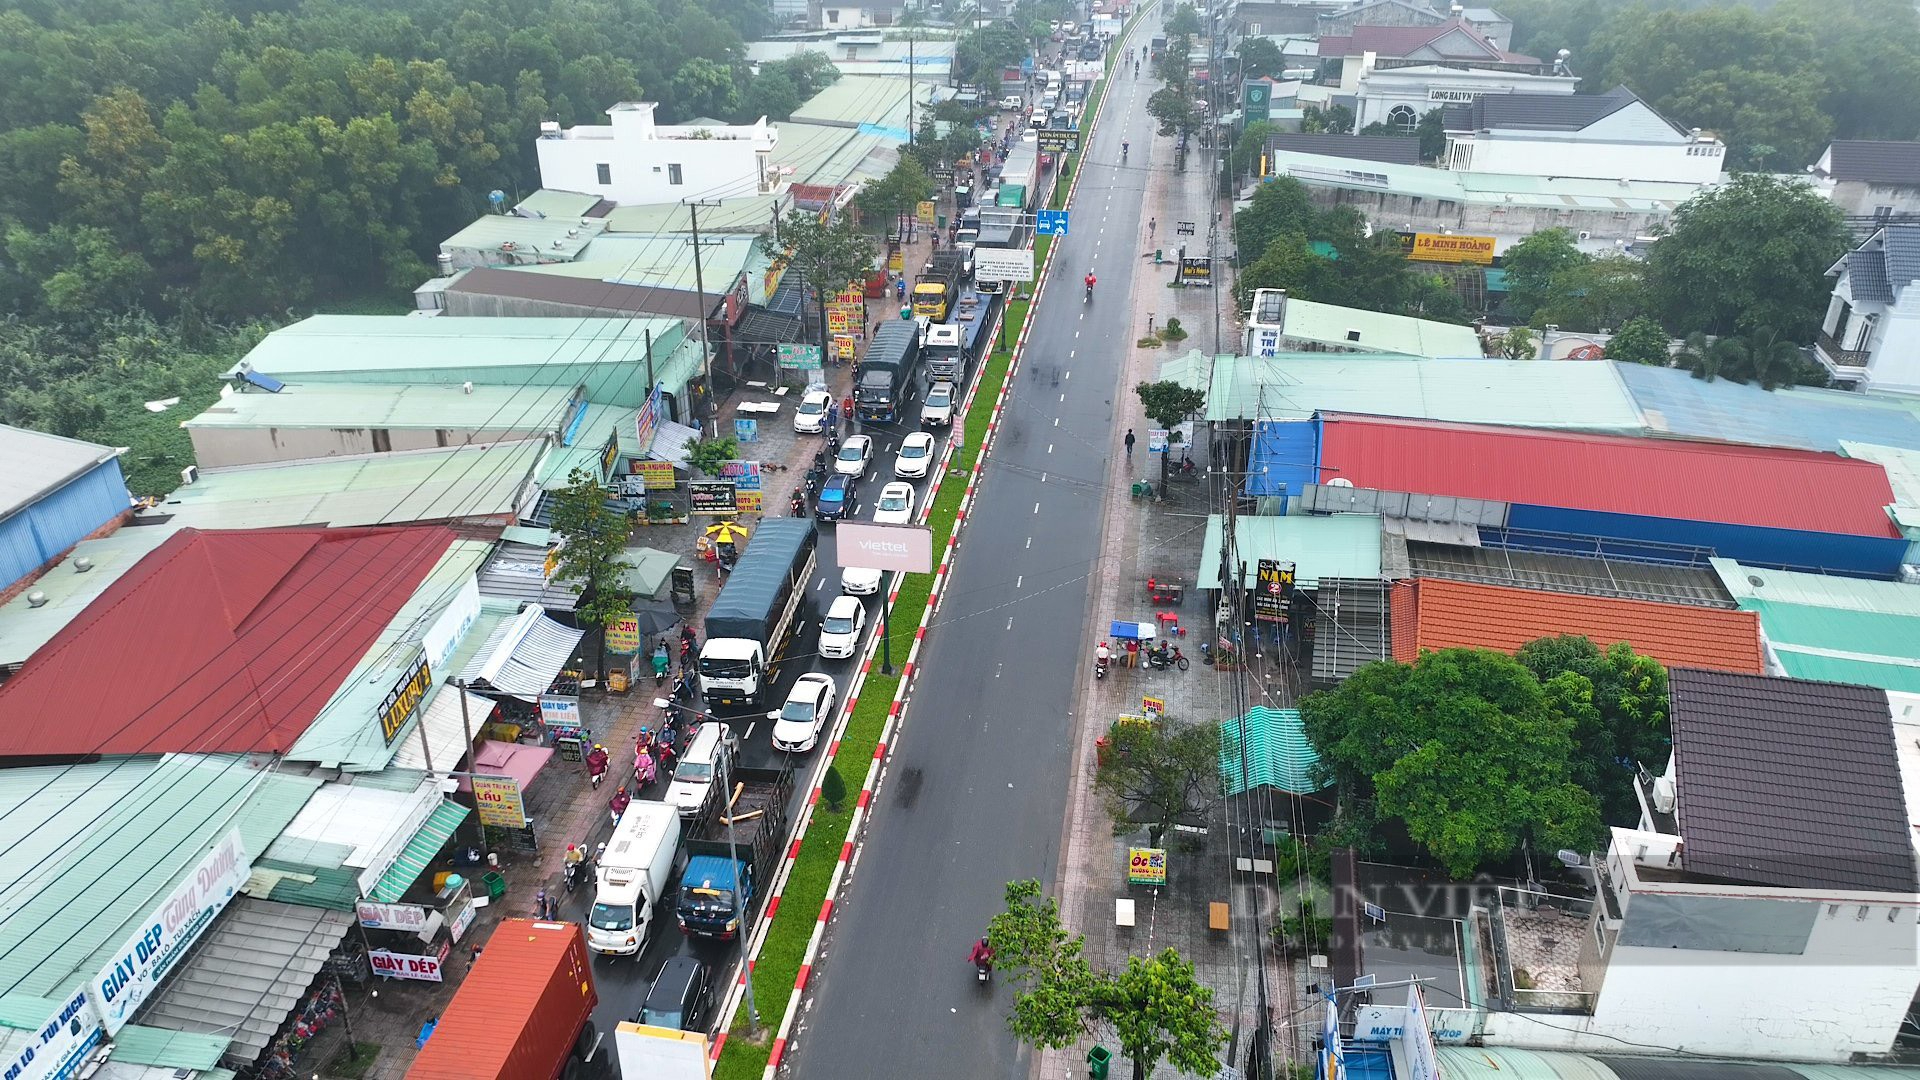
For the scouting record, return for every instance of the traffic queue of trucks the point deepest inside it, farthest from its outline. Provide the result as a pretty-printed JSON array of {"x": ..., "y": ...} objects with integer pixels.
[{"x": 938, "y": 287}]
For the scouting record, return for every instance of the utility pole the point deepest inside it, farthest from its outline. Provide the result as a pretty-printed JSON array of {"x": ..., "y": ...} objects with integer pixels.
[
  {"x": 910, "y": 74},
  {"x": 700, "y": 301},
  {"x": 466, "y": 724}
]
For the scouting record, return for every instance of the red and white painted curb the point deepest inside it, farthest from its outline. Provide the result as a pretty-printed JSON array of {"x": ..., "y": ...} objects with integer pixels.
[{"x": 869, "y": 785}]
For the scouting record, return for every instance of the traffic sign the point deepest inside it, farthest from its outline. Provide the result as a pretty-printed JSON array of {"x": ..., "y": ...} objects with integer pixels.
[{"x": 1051, "y": 222}]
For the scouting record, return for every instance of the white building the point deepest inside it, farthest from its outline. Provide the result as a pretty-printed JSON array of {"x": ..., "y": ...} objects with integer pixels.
[
  {"x": 1871, "y": 179},
  {"x": 634, "y": 160},
  {"x": 858, "y": 15},
  {"x": 1402, "y": 95},
  {"x": 1610, "y": 136},
  {"x": 1766, "y": 905},
  {"x": 1492, "y": 26},
  {"x": 1871, "y": 335}
]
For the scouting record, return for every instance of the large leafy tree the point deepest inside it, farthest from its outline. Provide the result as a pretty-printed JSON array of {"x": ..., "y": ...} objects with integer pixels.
[
  {"x": 1617, "y": 699},
  {"x": 1463, "y": 747},
  {"x": 1155, "y": 1008},
  {"x": 1168, "y": 404},
  {"x": 827, "y": 255},
  {"x": 903, "y": 188},
  {"x": 1157, "y": 774},
  {"x": 1532, "y": 265},
  {"x": 1749, "y": 258},
  {"x": 1595, "y": 294},
  {"x": 1260, "y": 58},
  {"x": 1640, "y": 340},
  {"x": 1279, "y": 207},
  {"x": 591, "y": 538}
]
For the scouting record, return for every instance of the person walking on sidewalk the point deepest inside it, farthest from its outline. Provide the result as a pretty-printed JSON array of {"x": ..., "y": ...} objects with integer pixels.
[{"x": 1129, "y": 444}]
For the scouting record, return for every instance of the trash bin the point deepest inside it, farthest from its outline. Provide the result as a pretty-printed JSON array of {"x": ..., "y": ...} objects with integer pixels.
[
  {"x": 1099, "y": 1060},
  {"x": 495, "y": 883}
]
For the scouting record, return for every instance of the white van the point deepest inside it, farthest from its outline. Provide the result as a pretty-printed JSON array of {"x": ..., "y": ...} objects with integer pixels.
[
  {"x": 1036, "y": 118},
  {"x": 697, "y": 774}
]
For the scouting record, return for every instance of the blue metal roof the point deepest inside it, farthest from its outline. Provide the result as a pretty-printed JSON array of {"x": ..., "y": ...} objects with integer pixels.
[{"x": 1673, "y": 402}]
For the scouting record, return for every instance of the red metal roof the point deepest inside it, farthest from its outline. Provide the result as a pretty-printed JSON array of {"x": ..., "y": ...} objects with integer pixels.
[
  {"x": 1619, "y": 474},
  {"x": 1431, "y": 613},
  {"x": 218, "y": 641}
]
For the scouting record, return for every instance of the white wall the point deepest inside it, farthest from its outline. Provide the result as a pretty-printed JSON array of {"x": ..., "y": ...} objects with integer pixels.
[
  {"x": 641, "y": 157},
  {"x": 852, "y": 16},
  {"x": 1379, "y": 91},
  {"x": 221, "y": 447},
  {"x": 1864, "y": 199},
  {"x": 1552, "y": 154},
  {"x": 1894, "y": 363}
]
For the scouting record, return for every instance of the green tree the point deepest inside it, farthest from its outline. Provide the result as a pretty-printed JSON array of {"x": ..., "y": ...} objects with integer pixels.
[
  {"x": 1168, "y": 404},
  {"x": 704, "y": 88},
  {"x": 1640, "y": 340},
  {"x": 1288, "y": 263},
  {"x": 706, "y": 456},
  {"x": 1463, "y": 748},
  {"x": 1533, "y": 263},
  {"x": 1518, "y": 343},
  {"x": 1260, "y": 58},
  {"x": 1183, "y": 21},
  {"x": 1594, "y": 294},
  {"x": 1279, "y": 207},
  {"x": 1696, "y": 355},
  {"x": 1252, "y": 144},
  {"x": 84, "y": 273},
  {"x": 1155, "y": 1007},
  {"x": 904, "y": 187},
  {"x": 1333, "y": 120},
  {"x": 591, "y": 538},
  {"x": 1749, "y": 257},
  {"x": 1159, "y": 774},
  {"x": 1771, "y": 363},
  {"x": 1432, "y": 132},
  {"x": 1173, "y": 106},
  {"x": 1617, "y": 699},
  {"x": 826, "y": 256}
]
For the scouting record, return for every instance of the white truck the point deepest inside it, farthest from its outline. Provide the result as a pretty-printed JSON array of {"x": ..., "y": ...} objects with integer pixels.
[
  {"x": 634, "y": 872},
  {"x": 751, "y": 618}
]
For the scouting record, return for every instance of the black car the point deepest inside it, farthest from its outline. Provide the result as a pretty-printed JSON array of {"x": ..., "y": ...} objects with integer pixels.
[
  {"x": 681, "y": 995},
  {"x": 836, "y": 499}
]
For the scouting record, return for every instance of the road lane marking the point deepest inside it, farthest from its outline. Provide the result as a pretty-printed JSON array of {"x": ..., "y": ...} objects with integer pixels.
[
  {"x": 1018, "y": 579},
  {"x": 749, "y": 737},
  {"x": 1056, "y": 421},
  {"x": 1049, "y": 448},
  {"x": 1009, "y": 622},
  {"x": 1036, "y": 508},
  {"x": 1066, "y": 376},
  {"x": 1029, "y": 541},
  {"x": 1063, "y": 397}
]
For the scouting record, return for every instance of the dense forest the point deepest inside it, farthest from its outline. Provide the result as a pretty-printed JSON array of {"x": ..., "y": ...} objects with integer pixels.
[
  {"x": 175, "y": 175},
  {"x": 1776, "y": 82}
]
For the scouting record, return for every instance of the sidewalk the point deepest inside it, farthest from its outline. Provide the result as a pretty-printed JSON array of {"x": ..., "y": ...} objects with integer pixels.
[{"x": 1162, "y": 540}]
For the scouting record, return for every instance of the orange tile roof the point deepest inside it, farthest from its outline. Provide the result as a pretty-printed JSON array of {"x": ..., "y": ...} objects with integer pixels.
[{"x": 1432, "y": 613}]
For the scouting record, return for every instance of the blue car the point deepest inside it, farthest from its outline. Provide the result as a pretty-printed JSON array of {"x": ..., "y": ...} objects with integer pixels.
[{"x": 836, "y": 498}]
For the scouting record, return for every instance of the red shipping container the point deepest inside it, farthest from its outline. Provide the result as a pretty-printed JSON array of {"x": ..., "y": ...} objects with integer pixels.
[{"x": 522, "y": 1011}]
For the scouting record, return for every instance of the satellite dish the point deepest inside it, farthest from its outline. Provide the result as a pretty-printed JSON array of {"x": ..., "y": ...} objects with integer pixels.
[{"x": 1340, "y": 481}]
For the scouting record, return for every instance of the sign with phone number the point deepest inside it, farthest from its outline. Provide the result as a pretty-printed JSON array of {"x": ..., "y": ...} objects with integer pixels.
[{"x": 497, "y": 800}]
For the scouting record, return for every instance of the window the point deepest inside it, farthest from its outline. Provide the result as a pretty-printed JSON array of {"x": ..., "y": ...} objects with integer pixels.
[
  {"x": 833, "y": 15},
  {"x": 673, "y": 175},
  {"x": 604, "y": 172},
  {"x": 1402, "y": 117}
]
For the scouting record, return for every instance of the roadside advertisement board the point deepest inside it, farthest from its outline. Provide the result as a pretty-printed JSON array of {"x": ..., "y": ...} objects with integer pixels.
[
  {"x": 1274, "y": 589},
  {"x": 623, "y": 637},
  {"x": 163, "y": 938},
  {"x": 394, "y": 965},
  {"x": 462, "y": 919},
  {"x": 405, "y": 697},
  {"x": 884, "y": 547},
  {"x": 712, "y": 497},
  {"x": 411, "y": 918},
  {"x": 1441, "y": 247},
  {"x": 497, "y": 800},
  {"x": 1146, "y": 866},
  {"x": 657, "y": 475},
  {"x": 1196, "y": 271},
  {"x": 57, "y": 1049},
  {"x": 1003, "y": 264},
  {"x": 1056, "y": 141},
  {"x": 799, "y": 357}
]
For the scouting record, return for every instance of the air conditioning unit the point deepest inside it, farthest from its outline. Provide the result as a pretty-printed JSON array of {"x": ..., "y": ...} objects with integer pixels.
[
  {"x": 1585, "y": 235},
  {"x": 189, "y": 474},
  {"x": 1663, "y": 794}
]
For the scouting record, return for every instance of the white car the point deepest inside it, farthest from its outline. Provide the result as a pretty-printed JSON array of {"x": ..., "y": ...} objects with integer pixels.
[
  {"x": 857, "y": 581},
  {"x": 840, "y": 630},
  {"x": 810, "y": 417},
  {"x": 1013, "y": 102},
  {"x": 856, "y": 453},
  {"x": 915, "y": 456},
  {"x": 895, "y": 506},
  {"x": 937, "y": 411},
  {"x": 796, "y": 726}
]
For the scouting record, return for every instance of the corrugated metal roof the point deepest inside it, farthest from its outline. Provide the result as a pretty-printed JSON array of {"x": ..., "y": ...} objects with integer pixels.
[
  {"x": 1277, "y": 753},
  {"x": 1583, "y": 397},
  {"x": 1789, "y": 783},
  {"x": 1868, "y": 647},
  {"x": 1902, "y": 465},
  {"x": 1585, "y": 575},
  {"x": 38, "y": 463},
  {"x": 1845, "y": 669},
  {"x": 559, "y": 204},
  {"x": 24, "y": 627},
  {"x": 1513, "y": 1063},
  {"x": 1336, "y": 546},
  {"x": 1378, "y": 330},
  {"x": 46, "y": 808},
  {"x": 518, "y": 574},
  {"x": 61, "y": 920},
  {"x": 159, "y": 1048},
  {"x": 554, "y": 238},
  {"x": 1194, "y": 370},
  {"x": 523, "y": 655},
  {"x": 752, "y": 214},
  {"x": 1817, "y": 590},
  {"x": 535, "y": 409},
  {"x": 1430, "y": 613},
  {"x": 1350, "y": 627},
  {"x": 336, "y": 888},
  {"x": 248, "y": 973},
  {"x": 419, "y": 852},
  {"x": 1781, "y": 489},
  {"x": 1673, "y": 402},
  {"x": 357, "y": 826},
  {"x": 1317, "y": 170},
  {"x": 374, "y": 345},
  {"x": 218, "y": 641},
  {"x": 854, "y": 100}
]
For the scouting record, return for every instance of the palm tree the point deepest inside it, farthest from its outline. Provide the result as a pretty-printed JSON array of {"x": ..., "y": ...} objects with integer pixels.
[
  {"x": 1696, "y": 355},
  {"x": 1774, "y": 363}
]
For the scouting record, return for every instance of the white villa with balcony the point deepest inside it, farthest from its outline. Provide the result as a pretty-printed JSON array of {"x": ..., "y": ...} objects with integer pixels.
[
  {"x": 635, "y": 161},
  {"x": 1870, "y": 338}
]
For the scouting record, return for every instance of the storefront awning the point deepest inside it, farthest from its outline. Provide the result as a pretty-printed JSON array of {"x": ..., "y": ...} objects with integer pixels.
[
  {"x": 419, "y": 852},
  {"x": 518, "y": 760},
  {"x": 646, "y": 570},
  {"x": 446, "y": 731},
  {"x": 670, "y": 442},
  {"x": 523, "y": 655},
  {"x": 248, "y": 973}
]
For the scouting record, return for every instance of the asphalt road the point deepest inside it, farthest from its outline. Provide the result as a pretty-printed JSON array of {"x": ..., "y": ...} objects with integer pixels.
[
  {"x": 623, "y": 982},
  {"x": 976, "y": 793}
]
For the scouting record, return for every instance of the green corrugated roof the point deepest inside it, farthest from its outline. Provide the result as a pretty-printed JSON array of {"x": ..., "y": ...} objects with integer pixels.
[
  {"x": 824, "y": 155},
  {"x": 753, "y": 214},
  {"x": 1835, "y": 645},
  {"x": 123, "y": 850},
  {"x": 1818, "y": 590},
  {"x": 863, "y": 99},
  {"x": 333, "y": 887},
  {"x": 163, "y": 1049},
  {"x": 332, "y": 405},
  {"x": 1194, "y": 370},
  {"x": 665, "y": 261},
  {"x": 1522, "y": 393},
  {"x": 1277, "y": 753},
  {"x": 594, "y": 427},
  {"x": 1338, "y": 545},
  {"x": 559, "y": 204},
  {"x": 419, "y": 852},
  {"x": 1379, "y": 330},
  {"x": 545, "y": 238}
]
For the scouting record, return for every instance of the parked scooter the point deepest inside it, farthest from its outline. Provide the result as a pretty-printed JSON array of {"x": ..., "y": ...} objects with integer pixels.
[{"x": 1165, "y": 655}]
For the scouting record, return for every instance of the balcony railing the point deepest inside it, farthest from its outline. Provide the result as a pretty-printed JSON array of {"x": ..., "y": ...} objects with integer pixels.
[{"x": 1839, "y": 357}]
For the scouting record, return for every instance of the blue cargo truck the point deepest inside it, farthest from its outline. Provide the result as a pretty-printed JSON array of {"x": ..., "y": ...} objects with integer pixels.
[
  {"x": 887, "y": 371},
  {"x": 724, "y": 881}
]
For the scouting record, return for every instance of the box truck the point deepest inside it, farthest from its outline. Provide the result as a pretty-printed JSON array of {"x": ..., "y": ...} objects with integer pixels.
[
  {"x": 886, "y": 371},
  {"x": 754, "y": 613},
  {"x": 633, "y": 875}
]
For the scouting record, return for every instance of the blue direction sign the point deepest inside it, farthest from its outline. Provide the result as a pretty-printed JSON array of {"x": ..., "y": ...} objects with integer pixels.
[{"x": 1052, "y": 223}]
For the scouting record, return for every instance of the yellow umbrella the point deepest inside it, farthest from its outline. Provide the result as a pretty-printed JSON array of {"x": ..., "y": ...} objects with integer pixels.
[{"x": 727, "y": 532}]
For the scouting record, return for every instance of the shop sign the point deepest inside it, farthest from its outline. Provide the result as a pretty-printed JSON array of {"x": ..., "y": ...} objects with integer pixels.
[
  {"x": 1146, "y": 866},
  {"x": 1442, "y": 95},
  {"x": 609, "y": 456},
  {"x": 453, "y": 623},
  {"x": 411, "y": 918},
  {"x": 1263, "y": 341},
  {"x": 744, "y": 474},
  {"x": 1156, "y": 440},
  {"x": 394, "y": 965},
  {"x": 57, "y": 1049},
  {"x": 842, "y": 320},
  {"x": 843, "y": 346},
  {"x": 648, "y": 419},
  {"x": 1153, "y": 706},
  {"x": 656, "y": 475},
  {"x": 746, "y": 429},
  {"x": 623, "y": 637},
  {"x": 1441, "y": 247},
  {"x": 405, "y": 697},
  {"x": 496, "y": 799},
  {"x": 1196, "y": 271},
  {"x": 163, "y": 939},
  {"x": 712, "y": 497},
  {"x": 1003, "y": 264},
  {"x": 799, "y": 357},
  {"x": 560, "y": 710},
  {"x": 852, "y": 296},
  {"x": 897, "y": 261},
  {"x": 924, "y": 212},
  {"x": 462, "y": 919},
  {"x": 1275, "y": 588}
]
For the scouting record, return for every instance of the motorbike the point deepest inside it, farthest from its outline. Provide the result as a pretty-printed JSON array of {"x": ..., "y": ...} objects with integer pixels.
[
  {"x": 572, "y": 873},
  {"x": 644, "y": 769},
  {"x": 833, "y": 440},
  {"x": 596, "y": 770},
  {"x": 1184, "y": 470},
  {"x": 1164, "y": 656},
  {"x": 984, "y": 972},
  {"x": 797, "y": 506},
  {"x": 1089, "y": 298},
  {"x": 1123, "y": 152},
  {"x": 1101, "y": 661}
]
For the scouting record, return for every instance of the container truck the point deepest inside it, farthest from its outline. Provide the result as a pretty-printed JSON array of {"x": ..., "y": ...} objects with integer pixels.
[
  {"x": 886, "y": 371},
  {"x": 724, "y": 880},
  {"x": 524, "y": 1011},
  {"x": 1020, "y": 176},
  {"x": 633, "y": 875},
  {"x": 755, "y": 611},
  {"x": 951, "y": 347},
  {"x": 935, "y": 291}
]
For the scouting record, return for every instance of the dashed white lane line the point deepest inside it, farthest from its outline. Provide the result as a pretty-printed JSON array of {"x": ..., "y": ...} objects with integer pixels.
[
  {"x": 1063, "y": 397},
  {"x": 1056, "y": 421},
  {"x": 1066, "y": 376},
  {"x": 1029, "y": 541},
  {"x": 1049, "y": 448},
  {"x": 1036, "y": 508},
  {"x": 750, "y": 732},
  {"x": 1009, "y": 622},
  {"x": 1018, "y": 579}
]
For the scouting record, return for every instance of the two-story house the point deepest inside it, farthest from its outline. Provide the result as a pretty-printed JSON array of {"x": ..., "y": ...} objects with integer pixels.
[
  {"x": 1610, "y": 136},
  {"x": 1868, "y": 179},
  {"x": 1492, "y": 26},
  {"x": 634, "y": 160},
  {"x": 1870, "y": 338}
]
